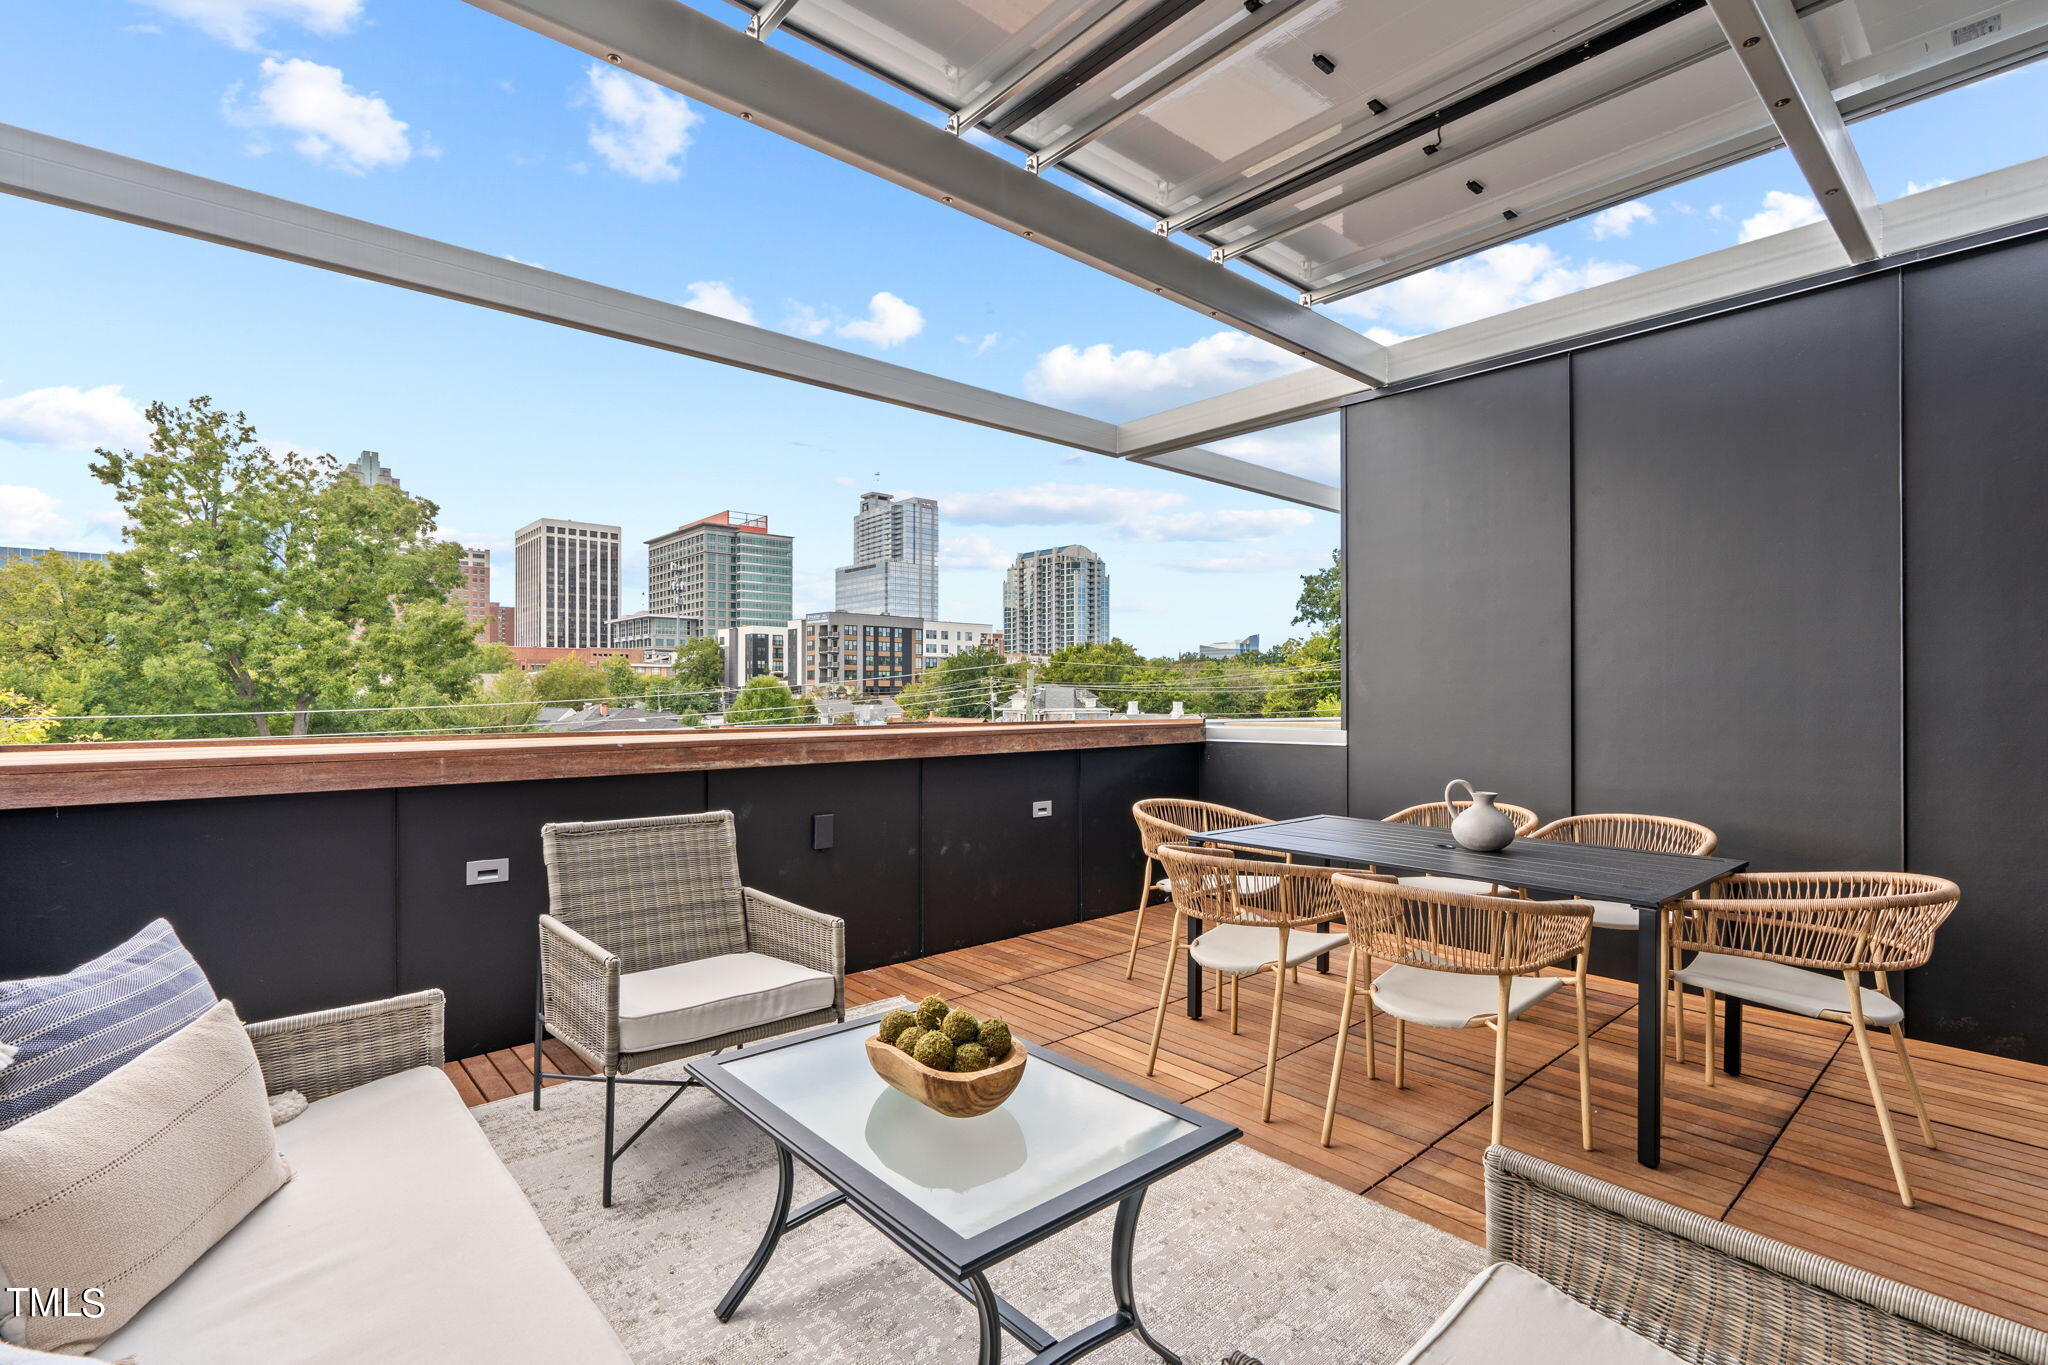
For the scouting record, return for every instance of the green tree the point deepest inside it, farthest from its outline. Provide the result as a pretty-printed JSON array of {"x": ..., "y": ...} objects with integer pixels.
[
  {"x": 270, "y": 583},
  {"x": 765, "y": 700},
  {"x": 960, "y": 686},
  {"x": 617, "y": 680},
  {"x": 697, "y": 684},
  {"x": 54, "y": 636},
  {"x": 1321, "y": 604},
  {"x": 504, "y": 701},
  {"x": 567, "y": 680},
  {"x": 24, "y": 720}
]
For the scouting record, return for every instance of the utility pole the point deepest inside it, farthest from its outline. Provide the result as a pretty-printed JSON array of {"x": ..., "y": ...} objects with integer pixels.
[{"x": 1031, "y": 691}]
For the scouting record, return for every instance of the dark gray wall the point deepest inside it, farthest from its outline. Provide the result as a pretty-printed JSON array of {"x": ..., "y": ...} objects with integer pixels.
[
  {"x": 1457, "y": 605},
  {"x": 294, "y": 903},
  {"x": 1279, "y": 781},
  {"x": 1792, "y": 555}
]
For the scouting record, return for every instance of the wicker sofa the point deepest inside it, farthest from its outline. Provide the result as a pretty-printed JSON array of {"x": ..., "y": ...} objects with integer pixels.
[
  {"x": 400, "y": 1237},
  {"x": 1576, "y": 1260}
]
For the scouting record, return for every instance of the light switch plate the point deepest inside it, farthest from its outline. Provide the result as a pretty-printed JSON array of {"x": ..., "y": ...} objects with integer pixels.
[
  {"x": 1040, "y": 809},
  {"x": 486, "y": 871}
]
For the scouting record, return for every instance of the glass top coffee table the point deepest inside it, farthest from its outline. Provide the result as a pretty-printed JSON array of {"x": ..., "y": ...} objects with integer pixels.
[{"x": 961, "y": 1195}]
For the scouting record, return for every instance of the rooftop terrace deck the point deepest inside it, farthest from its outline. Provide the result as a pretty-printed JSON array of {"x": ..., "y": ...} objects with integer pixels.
[{"x": 1787, "y": 1149}]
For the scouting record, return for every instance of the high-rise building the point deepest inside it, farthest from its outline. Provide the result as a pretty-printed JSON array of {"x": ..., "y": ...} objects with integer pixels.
[
  {"x": 1054, "y": 598},
  {"x": 723, "y": 570},
  {"x": 565, "y": 584},
  {"x": 369, "y": 471},
  {"x": 652, "y": 630},
  {"x": 859, "y": 652},
  {"x": 502, "y": 626},
  {"x": 895, "y": 569},
  {"x": 474, "y": 596}
]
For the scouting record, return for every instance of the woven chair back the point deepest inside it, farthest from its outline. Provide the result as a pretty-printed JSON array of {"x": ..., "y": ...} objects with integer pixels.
[
  {"x": 1450, "y": 931},
  {"x": 1439, "y": 814},
  {"x": 1829, "y": 921},
  {"x": 1172, "y": 820},
  {"x": 1219, "y": 889},
  {"x": 1643, "y": 833},
  {"x": 655, "y": 891}
]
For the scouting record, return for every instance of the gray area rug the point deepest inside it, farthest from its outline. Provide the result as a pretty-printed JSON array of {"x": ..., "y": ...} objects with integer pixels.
[{"x": 1236, "y": 1252}]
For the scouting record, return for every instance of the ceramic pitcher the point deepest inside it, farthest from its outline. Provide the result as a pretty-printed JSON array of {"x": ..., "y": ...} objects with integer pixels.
[{"x": 1482, "y": 826}]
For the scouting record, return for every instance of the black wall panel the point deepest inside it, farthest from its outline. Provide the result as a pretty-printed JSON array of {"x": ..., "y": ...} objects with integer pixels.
[
  {"x": 992, "y": 870},
  {"x": 1457, "y": 591},
  {"x": 1112, "y": 863},
  {"x": 1279, "y": 781},
  {"x": 286, "y": 901},
  {"x": 476, "y": 942},
  {"x": 869, "y": 877},
  {"x": 1976, "y": 411},
  {"x": 1736, "y": 568}
]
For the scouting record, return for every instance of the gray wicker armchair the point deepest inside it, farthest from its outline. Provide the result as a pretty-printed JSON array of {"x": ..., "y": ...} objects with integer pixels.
[{"x": 653, "y": 951}]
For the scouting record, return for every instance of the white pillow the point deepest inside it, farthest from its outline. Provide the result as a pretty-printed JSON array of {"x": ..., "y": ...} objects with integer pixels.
[{"x": 121, "y": 1186}]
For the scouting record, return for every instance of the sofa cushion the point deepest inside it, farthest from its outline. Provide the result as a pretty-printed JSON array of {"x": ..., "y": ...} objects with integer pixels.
[
  {"x": 68, "y": 1031},
  {"x": 127, "y": 1183},
  {"x": 401, "y": 1238},
  {"x": 1506, "y": 1314},
  {"x": 669, "y": 1006}
]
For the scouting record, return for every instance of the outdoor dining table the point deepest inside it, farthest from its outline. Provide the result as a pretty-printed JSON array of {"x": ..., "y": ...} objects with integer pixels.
[{"x": 1547, "y": 867}]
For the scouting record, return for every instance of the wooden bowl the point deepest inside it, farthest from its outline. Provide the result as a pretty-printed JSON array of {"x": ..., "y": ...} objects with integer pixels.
[{"x": 956, "y": 1094}]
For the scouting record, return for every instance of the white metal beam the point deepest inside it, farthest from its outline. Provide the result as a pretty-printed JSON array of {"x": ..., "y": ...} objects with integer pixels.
[
  {"x": 1272, "y": 402},
  {"x": 769, "y": 17},
  {"x": 675, "y": 46},
  {"x": 1012, "y": 82},
  {"x": 1229, "y": 39},
  {"x": 1773, "y": 47},
  {"x": 53, "y": 171}
]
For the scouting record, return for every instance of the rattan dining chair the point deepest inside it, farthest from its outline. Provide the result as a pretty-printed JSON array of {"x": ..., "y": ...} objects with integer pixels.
[
  {"x": 1801, "y": 942},
  {"x": 1174, "y": 820},
  {"x": 1438, "y": 815},
  {"x": 1645, "y": 834},
  {"x": 653, "y": 951},
  {"x": 1276, "y": 927},
  {"x": 1442, "y": 947}
]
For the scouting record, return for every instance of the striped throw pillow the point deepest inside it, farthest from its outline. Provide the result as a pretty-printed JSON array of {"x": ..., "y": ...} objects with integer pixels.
[{"x": 65, "y": 1032}]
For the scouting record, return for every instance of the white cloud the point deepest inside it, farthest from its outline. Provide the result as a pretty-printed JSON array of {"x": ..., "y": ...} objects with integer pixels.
[
  {"x": 642, "y": 130},
  {"x": 980, "y": 345},
  {"x": 1489, "y": 282},
  {"x": 971, "y": 551},
  {"x": 242, "y": 23},
  {"x": 28, "y": 516},
  {"x": 716, "y": 297},
  {"x": 67, "y": 418},
  {"x": 1621, "y": 220},
  {"x": 1781, "y": 212},
  {"x": 334, "y": 124},
  {"x": 1918, "y": 186},
  {"x": 1251, "y": 561},
  {"x": 1127, "y": 513},
  {"x": 890, "y": 322},
  {"x": 1219, "y": 361}
]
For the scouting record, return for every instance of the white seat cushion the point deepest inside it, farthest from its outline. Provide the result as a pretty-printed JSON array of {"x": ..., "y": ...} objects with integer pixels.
[
  {"x": 1614, "y": 915},
  {"x": 1453, "y": 999},
  {"x": 1505, "y": 1314},
  {"x": 401, "y": 1239},
  {"x": 1796, "y": 990},
  {"x": 1241, "y": 949},
  {"x": 1466, "y": 885},
  {"x": 1247, "y": 885},
  {"x": 668, "y": 1006}
]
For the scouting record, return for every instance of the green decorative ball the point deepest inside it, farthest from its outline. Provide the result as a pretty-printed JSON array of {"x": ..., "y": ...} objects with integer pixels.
[
  {"x": 894, "y": 1022},
  {"x": 970, "y": 1057},
  {"x": 935, "y": 1050},
  {"x": 907, "y": 1040},
  {"x": 931, "y": 1012},
  {"x": 961, "y": 1026},
  {"x": 995, "y": 1036}
]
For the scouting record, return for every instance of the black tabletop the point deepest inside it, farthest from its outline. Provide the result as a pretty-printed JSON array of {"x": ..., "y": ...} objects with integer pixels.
[{"x": 1548, "y": 866}]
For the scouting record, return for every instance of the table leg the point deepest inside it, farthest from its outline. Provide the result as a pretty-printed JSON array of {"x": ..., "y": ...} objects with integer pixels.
[
  {"x": 1194, "y": 931},
  {"x": 1120, "y": 1246},
  {"x": 991, "y": 1321},
  {"x": 1649, "y": 1034},
  {"x": 785, "y": 1179},
  {"x": 1731, "y": 1035},
  {"x": 1323, "y": 964}
]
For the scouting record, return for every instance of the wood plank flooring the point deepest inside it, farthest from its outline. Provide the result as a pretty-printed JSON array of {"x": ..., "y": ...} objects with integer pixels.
[{"x": 1789, "y": 1148}]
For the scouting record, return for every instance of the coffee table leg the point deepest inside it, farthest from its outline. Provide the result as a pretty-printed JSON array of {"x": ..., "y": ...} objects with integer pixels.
[
  {"x": 785, "y": 1178},
  {"x": 991, "y": 1321},
  {"x": 1649, "y": 1035},
  {"x": 1120, "y": 1271}
]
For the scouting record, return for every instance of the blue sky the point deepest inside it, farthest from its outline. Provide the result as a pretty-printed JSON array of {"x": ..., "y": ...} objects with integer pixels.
[{"x": 439, "y": 119}]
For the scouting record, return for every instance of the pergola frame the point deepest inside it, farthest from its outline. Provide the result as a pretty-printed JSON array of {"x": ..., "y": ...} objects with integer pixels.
[{"x": 678, "y": 47}]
